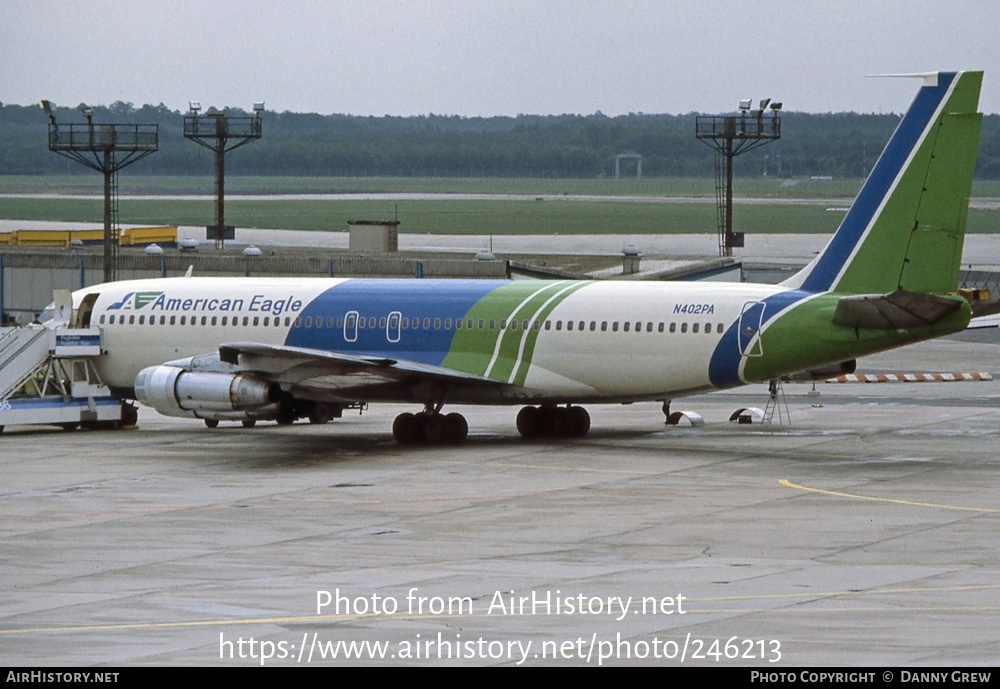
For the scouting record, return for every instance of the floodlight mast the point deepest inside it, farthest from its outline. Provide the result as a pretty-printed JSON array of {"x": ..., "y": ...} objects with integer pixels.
[
  {"x": 732, "y": 135},
  {"x": 220, "y": 133},
  {"x": 78, "y": 142}
]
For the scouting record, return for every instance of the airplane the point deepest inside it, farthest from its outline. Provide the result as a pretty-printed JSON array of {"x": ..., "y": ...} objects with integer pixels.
[{"x": 283, "y": 349}]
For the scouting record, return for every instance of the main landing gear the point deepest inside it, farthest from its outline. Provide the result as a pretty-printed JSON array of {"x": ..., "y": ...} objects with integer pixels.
[
  {"x": 553, "y": 422},
  {"x": 430, "y": 426}
]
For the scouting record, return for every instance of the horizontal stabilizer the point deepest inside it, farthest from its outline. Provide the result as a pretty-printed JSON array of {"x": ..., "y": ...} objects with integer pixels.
[{"x": 895, "y": 311}]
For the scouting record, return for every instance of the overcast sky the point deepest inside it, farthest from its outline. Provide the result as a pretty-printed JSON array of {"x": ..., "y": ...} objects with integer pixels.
[{"x": 469, "y": 57}]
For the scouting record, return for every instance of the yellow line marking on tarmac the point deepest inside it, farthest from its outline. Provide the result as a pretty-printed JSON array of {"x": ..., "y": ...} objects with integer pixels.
[{"x": 854, "y": 496}]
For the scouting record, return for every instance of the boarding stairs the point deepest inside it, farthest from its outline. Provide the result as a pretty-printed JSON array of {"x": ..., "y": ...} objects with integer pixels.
[{"x": 47, "y": 376}]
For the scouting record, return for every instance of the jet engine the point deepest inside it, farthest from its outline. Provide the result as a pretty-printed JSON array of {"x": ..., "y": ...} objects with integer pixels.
[{"x": 175, "y": 392}]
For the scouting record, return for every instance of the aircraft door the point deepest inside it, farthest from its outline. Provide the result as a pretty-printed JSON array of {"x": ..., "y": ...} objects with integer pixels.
[
  {"x": 85, "y": 310},
  {"x": 351, "y": 326},
  {"x": 751, "y": 320},
  {"x": 392, "y": 326}
]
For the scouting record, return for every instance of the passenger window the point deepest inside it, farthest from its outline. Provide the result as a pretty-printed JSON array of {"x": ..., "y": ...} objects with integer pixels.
[
  {"x": 246, "y": 321},
  {"x": 427, "y": 324},
  {"x": 558, "y": 325},
  {"x": 684, "y": 327},
  {"x": 447, "y": 324},
  {"x": 660, "y": 327},
  {"x": 459, "y": 323},
  {"x": 593, "y": 326},
  {"x": 329, "y": 322},
  {"x": 173, "y": 320},
  {"x": 437, "y": 323},
  {"x": 214, "y": 317},
  {"x": 469, "y": 323},
  {"x": 569, "y": 325},
  {"x": 694, "y": 327},
  {"x": 142, "y": 320},
  {"x": 513, "y": 324},
  {"x": 719, "y": 328},
  {"x": 673, "y": 327},
  {"x": 371, "y": 322},
  {"x": 204, "y": 320},
  {"x": 581, "y": 324},
  {"x": 708, "y": 328},
  {"x": 493, "y": 324},
  {"x": 627, "y": 326},
  {"x": 163, "y": 320},
  {"x": 614, "y": 327},
  {"x": 256, "y": 321},
  {"x": 482, "y": 324},
  {"x": 381, "y": 322},
  {"x": 604, "y": 326},
  {"x": 548, "y": 325},
  {"x": 184, "y": 320}
]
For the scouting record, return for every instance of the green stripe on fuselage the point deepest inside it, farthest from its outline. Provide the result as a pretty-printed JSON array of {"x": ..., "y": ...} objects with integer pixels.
[{"x": 472, "y": 351}]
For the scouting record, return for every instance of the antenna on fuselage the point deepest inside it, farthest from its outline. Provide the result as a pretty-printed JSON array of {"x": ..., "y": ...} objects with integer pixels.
[{"x": 190, "y": 271}]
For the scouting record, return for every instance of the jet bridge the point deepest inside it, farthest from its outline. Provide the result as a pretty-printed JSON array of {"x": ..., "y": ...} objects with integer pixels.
[{"x": 47, "y": 376}]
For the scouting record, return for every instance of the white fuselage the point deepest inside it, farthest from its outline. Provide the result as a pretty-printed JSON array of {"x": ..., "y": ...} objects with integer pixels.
[{"x": 584, "y": 341}]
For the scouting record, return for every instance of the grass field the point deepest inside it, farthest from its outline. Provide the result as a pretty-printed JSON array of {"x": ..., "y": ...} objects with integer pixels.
[
  {"x": 148, "y": 184},
  {"x": 455, "y": 216}
]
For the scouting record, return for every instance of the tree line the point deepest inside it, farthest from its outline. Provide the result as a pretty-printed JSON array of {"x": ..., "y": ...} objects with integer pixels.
[{"x": 841, "y": 145}]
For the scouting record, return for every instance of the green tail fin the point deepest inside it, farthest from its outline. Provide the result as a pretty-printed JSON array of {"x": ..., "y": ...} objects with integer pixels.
[{"x": 906, "y": 228}]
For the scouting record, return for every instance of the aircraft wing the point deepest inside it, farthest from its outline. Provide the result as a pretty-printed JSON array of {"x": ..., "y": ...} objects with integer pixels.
[{"x": 347, "y": 374}]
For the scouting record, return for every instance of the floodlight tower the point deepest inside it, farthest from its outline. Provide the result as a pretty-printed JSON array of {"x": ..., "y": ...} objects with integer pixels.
[
  {"x": 732, "y": 135},
  {"x": 219, "y": 133},
  {"x": 98, "y": 146}
]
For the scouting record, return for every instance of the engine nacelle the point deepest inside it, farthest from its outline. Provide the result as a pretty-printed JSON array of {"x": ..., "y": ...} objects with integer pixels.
[{"x": 176, "y": 392}]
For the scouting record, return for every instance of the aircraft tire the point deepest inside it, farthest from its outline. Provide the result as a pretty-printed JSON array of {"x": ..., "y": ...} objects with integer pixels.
[
  {"x": 129, "y": 416},
  {"x": 579, "y": 422},
  {"x": 212, "y": 423},
  {"x": 406, "y": 429},
  {"x": 529, "y": 422},
  {"x": 320, "y": 413},
  {"x": 457, "y": 429},
  {"x": 436, "y": 429},
  {"x": 555, "y": 422},
  {"x": 249, "y": 423}
]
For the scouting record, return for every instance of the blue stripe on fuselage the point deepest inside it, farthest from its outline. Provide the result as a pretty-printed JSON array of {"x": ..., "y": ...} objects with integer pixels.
[
  {"x": 878, "y": 184},
  {"x": 421, "y": 299},
  {"x": 724, "y": 366}
]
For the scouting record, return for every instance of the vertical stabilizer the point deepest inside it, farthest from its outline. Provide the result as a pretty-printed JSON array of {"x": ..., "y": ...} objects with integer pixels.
[{"x": 906, "y": 228}]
